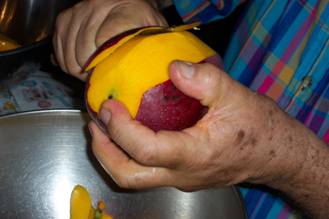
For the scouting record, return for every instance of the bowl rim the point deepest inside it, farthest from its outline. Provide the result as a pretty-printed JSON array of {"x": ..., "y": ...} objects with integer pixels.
[
  {"x": 25, "y": 48},
  {"x": 76, "y": 112}
]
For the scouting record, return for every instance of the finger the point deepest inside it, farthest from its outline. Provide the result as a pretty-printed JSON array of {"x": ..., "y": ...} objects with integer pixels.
[
  {"x": 79, "y": 48},
  {"x": 104, "y": 149},
  {"x": 124, "y": 171},
  {"x": 204, "y": 82},
  {"x": 86, "y": 40},
  {"x": 156, "y": 19},
  {"x": 57, "y": 57},
  {"x": 164, "y": 148},
  {"x": 115, "y": 24},
  {"x": 62, "y": 23},
  {"x": 125, "y": 17},
  {"x": 78, "y": 18}
]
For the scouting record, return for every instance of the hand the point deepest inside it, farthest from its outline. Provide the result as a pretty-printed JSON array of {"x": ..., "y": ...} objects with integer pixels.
[
  {"x": 81, "y": 29},
  {"x": 239, "y": 139}
]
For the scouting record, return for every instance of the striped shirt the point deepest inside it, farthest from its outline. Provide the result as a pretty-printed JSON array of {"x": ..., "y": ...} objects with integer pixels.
[{"x": 279, "y": 48}]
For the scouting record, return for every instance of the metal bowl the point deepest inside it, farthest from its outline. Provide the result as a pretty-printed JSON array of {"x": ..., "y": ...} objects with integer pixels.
[
  {"x": 44, "y": 154},
  {"x": 30, "y": 23}
]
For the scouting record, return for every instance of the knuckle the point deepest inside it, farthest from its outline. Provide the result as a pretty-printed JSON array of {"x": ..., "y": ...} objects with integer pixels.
[
  {"x": 145, "y": 154},
  {"x": 210, "y": 79},
  {"x": 78, "y": 6},
  {"x": 211, "y": 72},
  {"x": 62, "y": 22},
  {"x": 125, "y": 181},
  {"x": 63, "y": 16},
  {"x": 72, "y": 68},
  {"x": 89, "y": 3},
  {"x": 211, "y": 69}
]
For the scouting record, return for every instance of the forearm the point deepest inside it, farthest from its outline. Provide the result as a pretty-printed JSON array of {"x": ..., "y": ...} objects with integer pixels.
[
  {"x": 303, "y": 167},
  {"x": 309, "y": 188}
]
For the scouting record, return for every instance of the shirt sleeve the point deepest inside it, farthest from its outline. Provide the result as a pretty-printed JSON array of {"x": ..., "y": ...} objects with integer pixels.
[{"x": 205, "y": 10}]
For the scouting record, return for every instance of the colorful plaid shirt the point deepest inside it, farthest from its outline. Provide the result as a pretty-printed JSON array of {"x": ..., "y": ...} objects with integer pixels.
[{"x": 280, "y": 48}]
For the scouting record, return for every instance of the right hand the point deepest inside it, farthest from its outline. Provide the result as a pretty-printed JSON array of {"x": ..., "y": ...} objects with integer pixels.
[
  {"x": 244, "y": 137},
  {"x": 80, "y": 30}
]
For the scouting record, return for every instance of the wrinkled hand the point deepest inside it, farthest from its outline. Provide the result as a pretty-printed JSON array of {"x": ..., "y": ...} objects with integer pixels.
[
  {"x": 81, "y": 29},
  {"x": 234, "y": 142}
]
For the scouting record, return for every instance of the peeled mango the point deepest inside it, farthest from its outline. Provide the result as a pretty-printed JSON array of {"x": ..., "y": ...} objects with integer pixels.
[{"x": 133, "y": 68}]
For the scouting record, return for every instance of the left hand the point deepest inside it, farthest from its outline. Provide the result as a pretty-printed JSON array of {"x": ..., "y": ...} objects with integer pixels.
[
  {"x": 241, "y": 138},
  {"x": 83, "y": 28}
]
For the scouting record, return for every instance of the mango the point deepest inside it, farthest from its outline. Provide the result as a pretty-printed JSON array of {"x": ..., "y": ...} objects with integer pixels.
[{"x": 133, "y": 68}]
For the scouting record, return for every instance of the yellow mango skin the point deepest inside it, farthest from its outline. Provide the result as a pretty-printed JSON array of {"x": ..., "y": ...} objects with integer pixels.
[
  {"x": 140, "y": 64},
  {"x": 81, "y": 206},
  {"x": 105, "y": 53}
]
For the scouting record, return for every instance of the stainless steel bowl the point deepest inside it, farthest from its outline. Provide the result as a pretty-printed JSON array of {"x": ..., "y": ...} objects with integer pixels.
[
  {"x": 30, "y": 23},
  {"x": 44, "y": 154}
]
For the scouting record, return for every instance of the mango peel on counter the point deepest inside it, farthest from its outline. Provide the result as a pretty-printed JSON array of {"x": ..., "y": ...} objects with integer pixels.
[
  {"x": 81, "y": 206},
  {"x": 133, "y": 68}
]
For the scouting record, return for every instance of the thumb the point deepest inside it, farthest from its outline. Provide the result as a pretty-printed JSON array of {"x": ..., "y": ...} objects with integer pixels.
[{"x": 204, "y": 82}]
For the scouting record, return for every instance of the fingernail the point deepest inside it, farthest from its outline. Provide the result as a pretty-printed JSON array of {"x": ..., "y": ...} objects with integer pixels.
[
  {"x": 186, "y": 69},
  {"x": 105, "y": 116}
]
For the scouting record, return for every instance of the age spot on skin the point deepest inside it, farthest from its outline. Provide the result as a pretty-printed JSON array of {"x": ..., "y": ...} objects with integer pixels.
[
  {"x": 272, "y": 153},
  {"x": 253, "y": 141}
]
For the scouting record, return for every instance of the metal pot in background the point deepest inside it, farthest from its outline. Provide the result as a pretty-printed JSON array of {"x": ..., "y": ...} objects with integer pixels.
[{"x": 30, "y": 23}]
